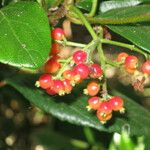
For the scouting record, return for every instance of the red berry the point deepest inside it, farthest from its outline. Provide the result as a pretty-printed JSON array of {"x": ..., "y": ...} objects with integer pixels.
[
  {"x": 67, "y": 86},
  {"x": 105, "y": 108},
  {"x": 103, "y": 118},
  {"x": 94, "y": 103},
  {"x": 55, "y": 49},
  {"x": 79, "y": 56},
  {"x": 95, "y": 71},
  {"x": 104, "y": 112},
  {"x": 69, "y": 74},
  {"x": 57, "y": 34},
  {"x": 122, "y": 56},
  {"x": 131, "y": 62},
  {"x": 116, "y": 103},
  {"x": 77, "y": 79},
  {"x": 72, "y": 76},
  {"x": 58, "y": 87},
  {"x": 131, "y": 71},
  {"x": 52, "y": 65},
  {"x": 45, "y": 81},
  {"x": 146, "y": 67},
  {"x": 82, "y": 70},
  {"x": 92, "y": 88},
  {"x": 51, "y": 91}
]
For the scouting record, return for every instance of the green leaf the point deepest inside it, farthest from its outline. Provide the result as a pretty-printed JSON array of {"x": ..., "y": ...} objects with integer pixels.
[
  {"x": 84, "y": 4},
  {"x": 109, "y": 5},
  {"x": 125, "y": 15},
  {"x": 24, "y": 35},
  {"x": 137, "y": 33},
  {"x": 113, "y": 4},
  {"x": 71, "y": 108}
]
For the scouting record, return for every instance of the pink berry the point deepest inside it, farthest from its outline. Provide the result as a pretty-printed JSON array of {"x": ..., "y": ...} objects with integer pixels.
[
  {"x": 52, "y": 65},
  {"x": 58, "y": 87},
  {"x": 95, "y": 71},
  {"x": 69, "y": 74},
  {"x": 146, "y": 67},
  {"x": 122, "y": 56},
  {"x": 67, "y": 86},
  {"x": 131, "y": 62},
  {"x": 94, "y": 103},
  {"x": 45, "y": 81},
  {"x": 103, "y": 117},
  {"x": 57, "y": 34},
  {"x": 51, "y": 91},
  {"x": 92, "y": 88},
  {"x": 82, "y": 70},
  {"x": 79, "y": 56},
  {"x": 104, "y": 112},
  {"x": 105, "y": 108},
  {"x": 116, "y": 103},
  {"x": 55, "y": 49}
]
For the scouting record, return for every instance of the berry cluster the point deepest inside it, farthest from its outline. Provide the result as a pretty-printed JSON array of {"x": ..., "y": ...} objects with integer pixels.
[
  {"x": 139, "y": 74},
  {"x": 104, "y": 109},
  {"x": 130, "y": 63},
  {"x": 62, "y": 75},
  {"x": 77, "y": 72},
  {"x": 53, "y": 65}
]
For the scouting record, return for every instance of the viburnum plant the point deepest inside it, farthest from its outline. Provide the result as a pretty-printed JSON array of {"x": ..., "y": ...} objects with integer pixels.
[
  {"x": 61, "y": 75},
  {"x": 32, "y": 38}
]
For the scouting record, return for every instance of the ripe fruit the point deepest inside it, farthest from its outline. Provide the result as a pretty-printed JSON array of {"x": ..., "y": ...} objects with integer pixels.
[
  {"x": 105, "y": 108},
  {"x": 77, "y": 79},
  {"x": 79, "y": 56},
  {"x": 51, "y": 91},
  {"x": 131, "y": 62},
  {"x": 104, "y": 112},
  {"x": 58, "y": 87},
  {"x": 67, "y": 86},
  {"x": 146, "y": 67},
  {"x": 131, "y": 71},
  {"x": 94, "y": 103},
  {"x": 95, "y": 71},
  {"x": 92, "y": 88},
  {"x": 69, "y": 74},
  {"x": 55, "y": 49},
  {"x": 72, "y": 77},
  {"x": 122, "y": 56},
  {"x": 52, "y": 65},
  {"x": 102, "y": 118},
  {"x": 116, "y": 103},
  {"x": 82, "y": 70},
  {"x": 45, "y": 81},
  {"x": 57, "y": 34}
]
